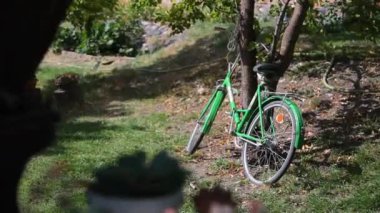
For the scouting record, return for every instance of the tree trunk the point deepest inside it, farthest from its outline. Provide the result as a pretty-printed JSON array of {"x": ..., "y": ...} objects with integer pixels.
[
  {"x": 292, "y": 33},
  {"x": 289, "y": 40},
  {"x": 248, "y": 56},
  {"x": 26, "y": 124}
]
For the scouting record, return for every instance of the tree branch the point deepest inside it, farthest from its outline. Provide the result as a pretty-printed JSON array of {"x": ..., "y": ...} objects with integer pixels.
[
  {"x": 277, "y": 31},
  {"x": 291, "y": 34}
]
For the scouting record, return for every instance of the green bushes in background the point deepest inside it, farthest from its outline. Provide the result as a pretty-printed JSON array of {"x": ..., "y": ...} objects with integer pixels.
[{"x": 99, "y": 27}]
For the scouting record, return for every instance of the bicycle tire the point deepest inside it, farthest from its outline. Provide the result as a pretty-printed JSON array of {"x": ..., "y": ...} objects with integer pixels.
[
  {"x": 266, "y": 156},
  {"x": 205, "y": 118},
  {"x": 195, "y": 139}
]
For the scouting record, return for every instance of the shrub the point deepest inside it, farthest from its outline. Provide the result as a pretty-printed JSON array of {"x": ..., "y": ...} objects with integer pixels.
[
  {"x": 113, "y": 36},
  {"x": 326, "y": 19},
  {"x": 67, "y": 38},
  {"x": 363, "y": 17},
  {"x": 98, "y": 30},
  {"x": 330, "y": 17}
]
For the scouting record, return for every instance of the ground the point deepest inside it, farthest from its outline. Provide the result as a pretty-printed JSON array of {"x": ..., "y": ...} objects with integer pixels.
[{"x": 157, "y": 103}]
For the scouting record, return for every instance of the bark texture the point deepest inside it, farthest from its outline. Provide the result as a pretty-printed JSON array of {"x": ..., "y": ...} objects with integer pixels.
[
  {"x": 288, "y": 42},
  {"x": 292, "y": 33},
  {"x": 248, "y": 57}
]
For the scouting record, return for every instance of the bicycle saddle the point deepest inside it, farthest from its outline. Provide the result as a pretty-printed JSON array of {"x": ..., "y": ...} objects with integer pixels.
[{"x": 267, "y": 69}]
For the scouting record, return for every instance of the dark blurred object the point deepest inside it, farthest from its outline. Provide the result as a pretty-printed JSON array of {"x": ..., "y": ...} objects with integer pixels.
[
  {"x": 68, "y": 90},
  {"x": 214, "y": 200},
  {"x": 26, "y": 124},
  {"x": 136, "y": 184},
  {"x": 255, "y": 206},
  {"x": 219, "y": 200}
]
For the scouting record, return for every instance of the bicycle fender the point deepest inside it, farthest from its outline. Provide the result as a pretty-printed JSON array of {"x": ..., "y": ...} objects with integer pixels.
[
  {"x": 298, "y": 116},
  {"x": 300, "y": 127}
]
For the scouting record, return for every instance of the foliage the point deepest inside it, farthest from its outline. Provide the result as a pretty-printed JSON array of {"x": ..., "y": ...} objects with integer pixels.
[
  {"x": 360, "y": 17},
  {"x": 132, "y": 176},
  {"x": 331, "y": 18},
  {"x": 187, "y": 12},
  {"x": 222, "y": 10},
  {"x": 183, "y": 14},
  {"x": 83, "y": 12},
  {"x": 112, "y": 36},
  {"x": 67, "y": 38},
  {"x": 93, "y": 29},
  {"x": 328, "y": 18},
  {"x": 145, "y": 9},
  {"x": 311, "y": 24},
  {"x": 264, "y": 36},
  {"x": 363, "y": 17}
]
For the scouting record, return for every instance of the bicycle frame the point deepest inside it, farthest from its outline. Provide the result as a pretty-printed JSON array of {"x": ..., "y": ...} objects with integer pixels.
[{"x": 241, "y": 116}]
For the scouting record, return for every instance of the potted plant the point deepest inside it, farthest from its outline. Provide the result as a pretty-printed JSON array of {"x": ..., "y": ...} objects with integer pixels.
[{"x": 135, "y": 185}]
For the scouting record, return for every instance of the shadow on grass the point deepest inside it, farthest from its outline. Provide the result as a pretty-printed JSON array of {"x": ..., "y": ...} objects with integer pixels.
[
  {"x": 200, "y": 63},
  {"x": 319, "y": 46},
  {"x": 358, "y": 104},
  {"x": 53, "y": 178},
  {"x": 77, "y": 131},
  {"x": 340, "y": 136},
  {"x": 354, "y": 124}
]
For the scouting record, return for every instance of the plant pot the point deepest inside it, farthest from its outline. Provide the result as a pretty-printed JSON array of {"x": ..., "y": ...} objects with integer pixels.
[{"x": 110, "y": 204}]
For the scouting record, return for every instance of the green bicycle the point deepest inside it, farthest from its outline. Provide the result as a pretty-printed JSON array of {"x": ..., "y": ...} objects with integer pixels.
[{"x": 270, "y": 129}]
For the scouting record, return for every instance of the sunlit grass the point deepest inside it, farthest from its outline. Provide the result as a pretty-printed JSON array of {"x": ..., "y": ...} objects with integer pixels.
[
  {"x": 55, "y": 180},
  {"x": 52, "y": 181}
]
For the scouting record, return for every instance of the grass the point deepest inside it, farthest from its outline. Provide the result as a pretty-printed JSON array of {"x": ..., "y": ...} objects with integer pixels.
[
  {"x": 45, "y": 74},
  {"x": 220, "y": 164},
  {"x": 191, "y": 37},
  {"x": 342, "y": 44},
  {"x": 345, "y": 182},
  {"x": 55, "y": 180},
  {"x": 52, "y": 181}
]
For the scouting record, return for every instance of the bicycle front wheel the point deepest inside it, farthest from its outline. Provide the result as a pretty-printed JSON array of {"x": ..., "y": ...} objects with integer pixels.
[
  {"x": 265, "y": 163},
  {"x": 205, "y": 120}
]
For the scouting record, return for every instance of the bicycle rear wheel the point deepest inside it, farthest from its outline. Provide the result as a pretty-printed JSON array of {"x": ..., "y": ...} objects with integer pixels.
[
  {"x": 205, "y": 120},
  {"x": 266, "y": 163}
]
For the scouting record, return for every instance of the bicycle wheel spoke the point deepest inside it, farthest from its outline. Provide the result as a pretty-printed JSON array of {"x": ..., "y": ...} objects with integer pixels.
[
  {"x": 255, "y": 165},
  {"x": 277, "y": 165},
  {"x": 282, "y": 134},
  {"x": 255, "y": 132},
  {"x": 278, "y": 157},
  {"x": 275, "y": 153},
  {"x": 275, "y": 156},
  {"x": 269, "y": 161}
]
